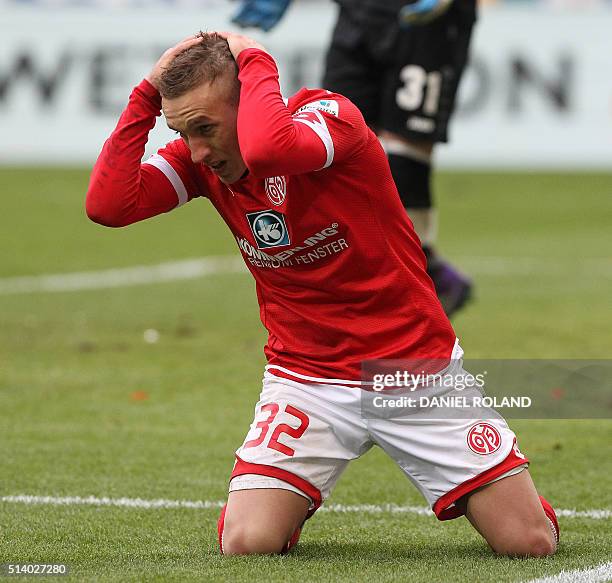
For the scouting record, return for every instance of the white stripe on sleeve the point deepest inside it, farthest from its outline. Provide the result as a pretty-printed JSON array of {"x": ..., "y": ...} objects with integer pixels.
[
  {"x": 321, "y": 129},
  {"x": 170, "y": 173}
]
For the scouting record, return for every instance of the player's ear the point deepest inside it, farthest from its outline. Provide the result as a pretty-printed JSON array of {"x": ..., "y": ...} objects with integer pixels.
[{"x": 235, "y": 91}]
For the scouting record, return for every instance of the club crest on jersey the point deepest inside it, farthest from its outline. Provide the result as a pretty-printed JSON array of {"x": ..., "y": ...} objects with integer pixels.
[
  {"x": 483, "y": 439},
  {"x": 269, "y": 229},
  {"x": 276, "y": 189}
]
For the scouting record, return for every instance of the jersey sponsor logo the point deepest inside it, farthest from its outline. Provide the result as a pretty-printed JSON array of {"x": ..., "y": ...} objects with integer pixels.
[
  {"x": 276, "y": 189},
  {"x": 269, "y": 229},
  {"x": 325, "y": 105},
  {"x": 483, "y": 439},
  {"x": 317, "y": 246}
]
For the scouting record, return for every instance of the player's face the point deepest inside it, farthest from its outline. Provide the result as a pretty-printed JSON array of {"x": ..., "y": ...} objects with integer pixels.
[{"x": 206, "y": 119}]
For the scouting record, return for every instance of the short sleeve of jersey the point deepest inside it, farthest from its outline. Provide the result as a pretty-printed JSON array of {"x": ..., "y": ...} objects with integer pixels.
[
  {"x": 336, "y": 121},
  {"x": 174, "y": 162}
]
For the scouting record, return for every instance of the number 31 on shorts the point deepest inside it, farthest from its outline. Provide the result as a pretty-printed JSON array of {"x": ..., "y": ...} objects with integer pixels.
[
  {"x": 420, "y": 89},
  {"x": 270, "y": 411}
]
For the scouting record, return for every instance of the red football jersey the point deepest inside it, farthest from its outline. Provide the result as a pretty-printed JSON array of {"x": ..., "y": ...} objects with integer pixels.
[{"x": 339, "y": 269}]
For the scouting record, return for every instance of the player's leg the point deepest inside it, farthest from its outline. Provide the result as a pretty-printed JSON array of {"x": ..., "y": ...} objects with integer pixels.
[
  {"x": 411, "y": 166},
  {"x": 510, "y": 516},
  {"x": 410, "y": 163},
  {"x": 299, "y": 443},
  {"x": 418, "y": 101},
  {"x": 261, "y": 521},
  {"x": 496, "y": 494},
  {"x": 350, "y": 68},
  {"x": 466, "y": 461}
]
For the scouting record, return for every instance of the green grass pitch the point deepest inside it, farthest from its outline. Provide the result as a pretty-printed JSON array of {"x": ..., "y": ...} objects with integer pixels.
[{"x": 73, "y": 364}]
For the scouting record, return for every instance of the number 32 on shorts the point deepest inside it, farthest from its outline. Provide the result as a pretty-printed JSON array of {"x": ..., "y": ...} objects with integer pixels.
[{"x": 272, "y": 410}]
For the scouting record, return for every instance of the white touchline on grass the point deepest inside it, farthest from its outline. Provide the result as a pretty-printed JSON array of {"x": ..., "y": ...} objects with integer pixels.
[
  {"x": 213, "y": 265},
  {"x": 123, "y": 276},
  {"x": 389, "y": 508},
  {"x": 104, "y": 501},
  {"x": 527, "y": 266},
  {"x": 598, "y": 574}
]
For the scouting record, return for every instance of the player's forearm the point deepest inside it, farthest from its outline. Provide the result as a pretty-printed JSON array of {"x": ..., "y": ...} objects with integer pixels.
[
  {"x": 271, "y": 142},
  {"x": 117, "y": 189}
]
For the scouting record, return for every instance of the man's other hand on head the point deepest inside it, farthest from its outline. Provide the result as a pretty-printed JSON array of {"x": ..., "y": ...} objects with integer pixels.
[
  {"x": 238, "y": 42},
  {"x": 168, "y": 56}
]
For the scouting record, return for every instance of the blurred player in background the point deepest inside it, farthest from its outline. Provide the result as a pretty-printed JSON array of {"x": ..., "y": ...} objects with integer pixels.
[
  {"x": 401, "y": 64},
  {"x": 306, "y": 190}
]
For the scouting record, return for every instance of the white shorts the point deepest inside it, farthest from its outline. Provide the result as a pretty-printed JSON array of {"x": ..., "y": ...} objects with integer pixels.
[{"x": 304, "y": 435}]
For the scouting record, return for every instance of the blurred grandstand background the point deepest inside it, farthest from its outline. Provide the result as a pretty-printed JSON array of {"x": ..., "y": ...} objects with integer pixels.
[{"x": 538, "y": 92}]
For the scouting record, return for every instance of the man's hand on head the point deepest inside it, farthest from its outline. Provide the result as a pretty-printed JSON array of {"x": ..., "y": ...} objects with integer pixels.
[
  {"x": 155, "y": 74},
  {"x": 238, "y": 43}
]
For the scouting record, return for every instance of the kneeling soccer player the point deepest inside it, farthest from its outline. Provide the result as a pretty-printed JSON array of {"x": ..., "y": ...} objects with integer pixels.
[{"x": 305, "y": 188}]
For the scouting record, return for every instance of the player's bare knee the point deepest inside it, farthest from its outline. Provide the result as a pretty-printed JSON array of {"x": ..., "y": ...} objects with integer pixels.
[
  {"x": 246, "y": 539},
  {"x": 544, "y": 543},
  {"x": 534, "y": 543}
]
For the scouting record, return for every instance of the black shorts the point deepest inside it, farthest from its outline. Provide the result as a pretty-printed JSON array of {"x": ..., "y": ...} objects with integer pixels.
[{"x": 403, "y": 81}]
